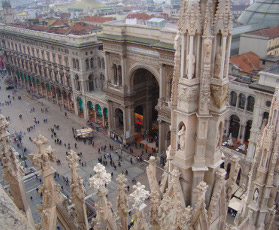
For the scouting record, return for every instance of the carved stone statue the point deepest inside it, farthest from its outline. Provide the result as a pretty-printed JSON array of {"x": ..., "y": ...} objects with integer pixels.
[
  {"x": 256, "y": 195},
  {"x": 207, "y": 50},
  {"x": 218, "y": 62},
  {"x": 181, "y": 138},
  {"x": 190, "y": 61}
]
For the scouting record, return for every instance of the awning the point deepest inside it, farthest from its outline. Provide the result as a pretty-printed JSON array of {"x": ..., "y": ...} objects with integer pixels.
[{"x": 235, "y": 204}]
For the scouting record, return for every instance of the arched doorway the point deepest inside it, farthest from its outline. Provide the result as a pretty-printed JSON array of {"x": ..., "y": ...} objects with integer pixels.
[
  {"x": 119, "y": 120},
  {"x": 53, "y": 94},
  {"x": 234, "y": 126},
  {"x": 71, "y": 102},
  {"x": 238, "y": 177},
  {"x": 59, "y": 96},
  {"x": 80, "y": 106},
  {"x": 233, "y": 98},
  {"x": 228, "y": 170},
  {"x": 105, "y": 114},
  {"x": 99, "y": 114},
  {"x": 139, "y": 118},
  {"x": 91, "y": 83},
  {"x": 247, "y": 130},
  {"x": 146, "y": 89},
  {"x": 91, "y": 114}
]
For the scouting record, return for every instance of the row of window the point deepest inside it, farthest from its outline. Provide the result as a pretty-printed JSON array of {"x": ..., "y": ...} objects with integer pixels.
[
  {"x": 39, "y": 53},
  {"x": 240, "y": 101},
  {"x": 93, "y": 83}
]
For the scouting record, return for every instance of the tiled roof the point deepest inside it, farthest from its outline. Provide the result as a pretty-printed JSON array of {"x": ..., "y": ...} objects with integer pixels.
[
  {"x": 60, "y": 22},
  {"x": 38, "y": 28},
  {"x": 98, "y": 19},
  {"x": 64, "y": 15},
  {"x": 82, "y": 28},
  {"x": 246, "y": 62},
  {"x": 140, "y": 16},
  {"x": 270, "y": 33}
]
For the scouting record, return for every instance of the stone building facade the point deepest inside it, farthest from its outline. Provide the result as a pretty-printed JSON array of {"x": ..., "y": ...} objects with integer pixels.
[
  {"x": 68, "y": 70},
  {"x": 139, "y": 67}
]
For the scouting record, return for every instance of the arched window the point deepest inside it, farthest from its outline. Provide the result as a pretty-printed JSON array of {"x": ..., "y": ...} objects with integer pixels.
[
  {"x": 74, "y": 64},
  {"x": 87, "y": 64},
  {"x": 265, "y": 116},
  {"x": 91, "y": 63},
  {"x": 119, "y": 75},
  {"x": 114, "y": 68},
  {"x": 99, "y": 63},
  {"x": 77, "y": 83},
  {"x": 91, "y": 82},
  {"x": 77, "y": 63},
  {"x": 242, "y": 99},
  {"x": 102, "y": 78},
  {"x": 250, "y": 103},
  {"x": 233, "y": 98}
]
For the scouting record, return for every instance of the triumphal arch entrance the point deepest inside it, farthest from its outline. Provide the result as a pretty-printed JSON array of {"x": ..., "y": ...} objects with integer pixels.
[{"x": 139, "y": 69}]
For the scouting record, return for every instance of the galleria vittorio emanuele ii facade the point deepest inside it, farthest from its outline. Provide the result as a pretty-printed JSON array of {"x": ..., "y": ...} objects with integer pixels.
[{"x": 195, "y": 190}]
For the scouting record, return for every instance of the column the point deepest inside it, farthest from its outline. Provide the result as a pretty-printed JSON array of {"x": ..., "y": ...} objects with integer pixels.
[
  {"x": 125, "y": 124},
  {"x": 239, "y": 131},
  {"x": 224, "y": 44},
  {"x": 227, "y": 125},
  {"x": 131, "y": 122},
  {"x": 69, "y": 105},
  {"x": 183, "y": 52},
  {"x": 109, "y": 115},
  {"x": 161, "y": 137},
  {"x": 85, "y": 114},
  {"x": 162, "y": 87},
  {"x": 243, "y": 133},
  {"x": 190, "y": 66},
  {"x": 56, "y": 96},
  {"x": 107, "y": 66},
  {"x": 62, "y": 99},
  {"x": 123, "y": 68}
]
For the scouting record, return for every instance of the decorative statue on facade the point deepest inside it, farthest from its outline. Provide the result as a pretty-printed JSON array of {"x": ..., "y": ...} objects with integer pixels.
[{"x": 181, "y": 138}]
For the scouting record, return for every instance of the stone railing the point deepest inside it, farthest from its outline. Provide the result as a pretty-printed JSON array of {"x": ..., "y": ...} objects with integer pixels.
[{"x": 72, "y": 39}]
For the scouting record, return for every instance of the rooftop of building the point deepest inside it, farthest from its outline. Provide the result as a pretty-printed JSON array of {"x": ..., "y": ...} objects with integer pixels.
[
  {"x": 140, "y": 34},
  {"x": 247, "y": 62},
  {"x": 98, "y": 19},
  {"x": 274, "y": 69},
  {"x": 261, "y": 12},
  {"x": 55, "y": 35},
  {"x": 269, "y": 33},
  {"x": 270, "y": 58}
]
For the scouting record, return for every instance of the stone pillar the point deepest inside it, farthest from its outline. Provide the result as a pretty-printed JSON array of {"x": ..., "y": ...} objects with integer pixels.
[
  {"x": 162, "y": 87},
  {"x": 13, "y": 171},
  {"x": 77, "y": 191},
  {"x": 107, "y": 66},
  {"x": 190, "y": 66},
  {"x": 131, "y": 122},
  {"x": 161, "y": 137},
  {"x": 125, "y": 125},
  {"x": 224, "y": 45},
  {"x": 122, "y": 201},
  {"x": 123, "y": 69},
  {"x": 49, "y": 189}
]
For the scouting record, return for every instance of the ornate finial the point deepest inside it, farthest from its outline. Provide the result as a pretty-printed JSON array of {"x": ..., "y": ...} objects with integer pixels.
[
  {"x": 139, "y": 195},
  {"x": 99, "y": 181},
  {"x": 73, "y": 159},
  {"x": 44, "y": 156},
  {"x": 175, "y": 173},
  {"x": 121, "y": 179}
]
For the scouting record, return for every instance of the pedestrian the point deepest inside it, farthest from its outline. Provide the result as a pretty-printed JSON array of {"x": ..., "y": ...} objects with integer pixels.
[
  {"x": 31, "y": 198},
  {"x": 131, "y": 160},
  {"x": 128, "y": 188}
]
